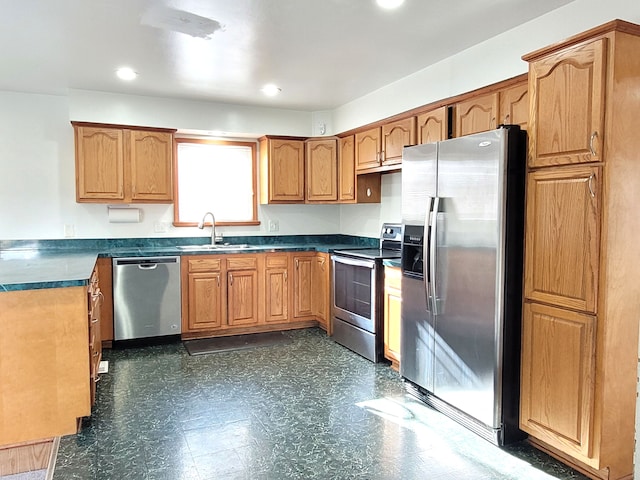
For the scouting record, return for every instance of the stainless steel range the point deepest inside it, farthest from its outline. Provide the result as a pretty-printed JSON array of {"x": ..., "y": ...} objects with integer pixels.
[{"x": 357, "y": 294}]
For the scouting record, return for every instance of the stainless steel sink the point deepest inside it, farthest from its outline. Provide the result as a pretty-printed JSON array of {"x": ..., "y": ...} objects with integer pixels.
[{"x": 219, "y": 246}]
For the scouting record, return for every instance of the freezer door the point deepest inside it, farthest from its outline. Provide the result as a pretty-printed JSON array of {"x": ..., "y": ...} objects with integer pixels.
[
  {"x": 467, "y": 272},
  {"x": 419, "y": 170},
  {"x": 417, "y": 335}
]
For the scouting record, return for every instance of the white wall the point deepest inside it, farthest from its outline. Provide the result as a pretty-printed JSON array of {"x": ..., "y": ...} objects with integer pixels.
[
  {"x": 37, "y": 170},
  {"x": 489, "y": 62}
]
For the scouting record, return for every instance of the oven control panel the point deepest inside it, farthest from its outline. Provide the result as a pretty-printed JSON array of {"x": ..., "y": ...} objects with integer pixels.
[{"x": 391, "y": 231}]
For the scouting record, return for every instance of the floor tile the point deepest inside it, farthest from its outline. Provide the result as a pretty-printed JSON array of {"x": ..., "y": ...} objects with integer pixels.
[{"x": 310, "y": 409}]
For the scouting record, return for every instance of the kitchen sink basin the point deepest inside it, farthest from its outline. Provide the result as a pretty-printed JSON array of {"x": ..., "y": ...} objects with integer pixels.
[{"x": 217, "y": 247}]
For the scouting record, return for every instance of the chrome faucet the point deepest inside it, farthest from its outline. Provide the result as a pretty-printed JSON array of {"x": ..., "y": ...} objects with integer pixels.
[{"x": 213, "y": 226}]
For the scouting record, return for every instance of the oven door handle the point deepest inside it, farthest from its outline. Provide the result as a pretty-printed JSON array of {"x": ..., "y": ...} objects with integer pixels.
[{"x": 353, "y": 261}]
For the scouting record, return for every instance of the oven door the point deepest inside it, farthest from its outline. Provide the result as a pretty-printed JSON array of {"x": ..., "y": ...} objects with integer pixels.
[{"x": 354, "y": 291}]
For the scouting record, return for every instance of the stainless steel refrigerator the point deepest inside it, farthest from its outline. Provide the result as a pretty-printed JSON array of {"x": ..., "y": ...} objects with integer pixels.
[{"x": 463, "y": 218}]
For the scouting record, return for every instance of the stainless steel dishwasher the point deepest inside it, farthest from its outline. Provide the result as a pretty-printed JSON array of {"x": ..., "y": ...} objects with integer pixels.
[{"x": 146, "y": 297}]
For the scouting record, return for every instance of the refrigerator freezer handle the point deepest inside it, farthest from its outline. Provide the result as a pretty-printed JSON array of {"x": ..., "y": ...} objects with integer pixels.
[
  {"x": 433, "y": 220},
  {"x": 425, "y": 253}
]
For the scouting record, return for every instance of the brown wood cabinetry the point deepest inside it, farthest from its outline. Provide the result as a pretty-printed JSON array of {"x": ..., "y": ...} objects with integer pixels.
[
  {"x": 478, "y": 114},
  {"x": 380, "y": 148},
  {"x": 120, "y": 164},
  {"x": 320, "y": 290},
  {"x": 392, "y": 313},
  {"x": 277, "y": 288},
  {"x": 580, "y": 336},
  {"x": 281, "y": 170},
  {"x": 95, "y": 300},
  {"x": 49, "y": 354},
  {"x": 432, "y": 126},
  {"x": 105, "y": 276},
  {"x": 302, "y": 284},
  {"x": 242, "y": 290},
  {"x": 363, "y": 188},
  {"x": 514, "y": 106},
  {"x": 569, "y": 114},
  {"x": 229, "y": 294},
  {"x": 346, "y": 170},
  {"x": 322, "y": 170}
]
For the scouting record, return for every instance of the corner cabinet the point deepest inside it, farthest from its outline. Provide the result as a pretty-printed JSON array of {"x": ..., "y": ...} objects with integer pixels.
[
  {"x": 281, "y": 170},
  {"x": 581, "y": 307},
  {"x": 123, "y": 164}
]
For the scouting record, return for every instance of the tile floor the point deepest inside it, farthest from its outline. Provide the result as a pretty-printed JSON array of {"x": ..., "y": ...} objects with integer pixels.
[{"x": 307, "y": 410}]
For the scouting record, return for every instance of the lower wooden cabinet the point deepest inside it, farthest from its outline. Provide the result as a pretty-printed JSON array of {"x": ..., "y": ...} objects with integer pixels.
[
  {"x": 227, "y": 294},
  {"x": 95, "y": 301},
  {"x": 558, "y": 377},
  {"x": 276, "y": 281},
  {"x": 392, "y": 313}
]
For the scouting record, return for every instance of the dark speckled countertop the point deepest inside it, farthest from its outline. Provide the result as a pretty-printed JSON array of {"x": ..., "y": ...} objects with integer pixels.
[{"x": 29, "y": 265}]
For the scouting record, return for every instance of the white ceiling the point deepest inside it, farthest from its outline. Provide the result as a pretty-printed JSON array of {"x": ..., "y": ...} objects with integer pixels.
[{"x": 322, "y": 53}]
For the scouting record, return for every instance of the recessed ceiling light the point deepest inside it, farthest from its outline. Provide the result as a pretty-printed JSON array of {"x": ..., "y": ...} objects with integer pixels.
[
  {"x": 271, "y": 90},
  {"x": 126, "y": 73},
  {"x": 389, "y": 4}
]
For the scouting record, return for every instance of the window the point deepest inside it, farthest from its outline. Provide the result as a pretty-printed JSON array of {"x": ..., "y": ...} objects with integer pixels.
[{"x": 215, "y": 176}]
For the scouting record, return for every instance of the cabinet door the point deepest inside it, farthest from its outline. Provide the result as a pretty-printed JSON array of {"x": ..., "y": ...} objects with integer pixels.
[
  {"x": 151, "y": 165},
  {"x": 476, "y": 115},
  {"x": 433, "y": 126},
  {"x": 302, "y": 285},
  {"x": 346, "y": 170},
  {"x": 368, "y": 149},
  {"x": 558, "y": 377},
  {"x": 242, "y": 298},
  {"x": 286, "y": 170},
  {"x": 277, "y": 295},
  {"x": 206, "y": 306},
  {"x": 562, "y": 236},
  {"x": 322, "y": 170},
  {"x": 392, "y": 312},
  {"x": 514, "y": 106},
  {"x": 320, "y": 290},
  {"x": 395, "y": 136},
  {"x": 99, "y": 164},
  {"x": 567, "y": 107}
]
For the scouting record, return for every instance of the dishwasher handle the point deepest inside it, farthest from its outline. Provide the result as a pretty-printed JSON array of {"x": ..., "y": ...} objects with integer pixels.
[{"x": 147, "y": 266}]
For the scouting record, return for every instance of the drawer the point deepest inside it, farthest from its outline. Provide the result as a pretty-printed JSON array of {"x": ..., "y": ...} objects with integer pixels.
[
  {"x": 245, "y": 262},
  {"x": 205, "y": 264},
  {"x": 277, "y": 261}
]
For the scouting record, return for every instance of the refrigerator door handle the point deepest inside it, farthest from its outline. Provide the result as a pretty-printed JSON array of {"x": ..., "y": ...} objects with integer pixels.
[
  {"x": 426, "y": 254},
  {"x": 433, "y": 220}
]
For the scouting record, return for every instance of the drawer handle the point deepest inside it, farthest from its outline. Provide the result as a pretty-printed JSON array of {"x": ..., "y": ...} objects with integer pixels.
[
  {"x": 96, "y": 353},
  {"x": 95, "y": 320},
  {"x": 97, "y": 379}
]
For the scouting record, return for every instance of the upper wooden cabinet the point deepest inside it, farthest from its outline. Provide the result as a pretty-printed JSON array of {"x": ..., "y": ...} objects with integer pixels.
[
  {"x": 363, "y": 188},
  {"x": 567, "y": 110},
  {"x": 395, "y": 136},
  {"x": 346, "y": 170},
  {"x": 322, "y": 170},
  {"x": 433, "y": 126},
  {"x": 478, "y": 114},
  {"x": 281, "y": 170},
  {"x": 120, "y": 164},
  {"x": 580, "y": 337},
  {"x": 380, "y": 148},
  {"x": 514, "y": 106}
]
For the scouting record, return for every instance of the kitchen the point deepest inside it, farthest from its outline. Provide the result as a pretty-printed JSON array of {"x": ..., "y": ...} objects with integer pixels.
[{"x": 37, "y": 127}]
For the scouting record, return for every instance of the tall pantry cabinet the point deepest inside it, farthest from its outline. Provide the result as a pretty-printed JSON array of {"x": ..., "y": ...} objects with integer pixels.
[{"x": 582, "y": 260}]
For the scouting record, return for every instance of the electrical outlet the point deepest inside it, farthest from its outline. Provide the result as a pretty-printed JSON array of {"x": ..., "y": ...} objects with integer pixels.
[
  {"x": 274, "y": 226},
  {"x": 69, "y": 231},
  {"x": 160, "y": 227}
]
